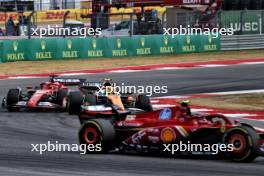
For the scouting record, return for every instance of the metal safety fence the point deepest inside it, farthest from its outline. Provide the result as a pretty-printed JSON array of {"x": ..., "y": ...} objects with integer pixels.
[{"x": 242, "y": 42}]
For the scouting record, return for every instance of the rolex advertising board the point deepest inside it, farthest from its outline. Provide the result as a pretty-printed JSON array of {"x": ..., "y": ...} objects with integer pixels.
[
  {"x": 75, "y": 48},
  {"x": 69, "y": 48},
  {"x": 43, "y": 49},
  {"x": 93, "y": 48},
  {"x": 15, "y": 50},
  {"x": 118, "y": 47},
  {"x": 188, "y": 43}
]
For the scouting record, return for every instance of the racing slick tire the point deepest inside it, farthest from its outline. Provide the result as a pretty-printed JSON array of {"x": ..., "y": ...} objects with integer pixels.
[
  {"x": 61, "y": 96},
  {"x": 245, "y": 144},
  {"x": 97, "y": 132},
  {"x": 143, "y": 102},
  {"x": 12, "y": 98},
  {"x": 90, "y": 99},
  {"x": 74, "y": 103}
]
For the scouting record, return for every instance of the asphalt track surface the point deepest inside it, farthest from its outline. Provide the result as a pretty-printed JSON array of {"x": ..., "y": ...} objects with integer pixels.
[{"x": 19, "y": 130}]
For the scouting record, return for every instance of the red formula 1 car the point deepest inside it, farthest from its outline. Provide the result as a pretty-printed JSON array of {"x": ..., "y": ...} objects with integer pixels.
[
  {"x": 49, "y": 95},
  {"x": 161, "y": 130}
]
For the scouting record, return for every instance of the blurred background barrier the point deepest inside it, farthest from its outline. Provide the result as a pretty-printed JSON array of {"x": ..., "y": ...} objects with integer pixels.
[
  {"x": 242, "y": 42},
  {"x": 83, "y": 48},
  {"x": 55, "y": 17},
  {"x": 243, "y": 22}
]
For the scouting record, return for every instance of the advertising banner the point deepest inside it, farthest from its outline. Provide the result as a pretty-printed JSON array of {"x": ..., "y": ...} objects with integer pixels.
[
  {"x": 208, "y": 43},
  {"x": 188, "y": 43},
  {"x": 145, "y": 45},
  {"x": 243, "y": 22},
  {"x": 16, "y": 50},
  {"x": 166, "y": 45},
  {"x": 69, "y": 48},
  {"x": 83, "y": 48},
  {"x": 118, "y": 47},
  {"x": 93, "y": 48},
  {"x": 43, "y": 49},
  {"x": 75, "y": 14}
]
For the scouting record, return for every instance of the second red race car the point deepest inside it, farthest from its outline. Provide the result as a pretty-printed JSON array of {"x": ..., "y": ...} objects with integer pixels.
[
  {"x": 50, "y": 95},
  {"x": 157, "y": 130}
]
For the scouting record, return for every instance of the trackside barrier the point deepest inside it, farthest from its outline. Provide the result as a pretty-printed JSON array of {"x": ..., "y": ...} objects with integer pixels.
[
  {"x": 242, "y": 42},
  {"x": 83, "y": 48},
  {"x": 243, "y": 22}
]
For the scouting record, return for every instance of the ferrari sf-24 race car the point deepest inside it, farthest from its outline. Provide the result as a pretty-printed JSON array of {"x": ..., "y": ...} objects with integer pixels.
[
  {"x": 134, "y": 129},
  {"x": 49, "y": 95}
]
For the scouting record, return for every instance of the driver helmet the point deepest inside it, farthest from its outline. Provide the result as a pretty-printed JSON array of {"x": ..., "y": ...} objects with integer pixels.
[
  {"x": 185, "y": 106},
  {"x": 107, "y": 86}
]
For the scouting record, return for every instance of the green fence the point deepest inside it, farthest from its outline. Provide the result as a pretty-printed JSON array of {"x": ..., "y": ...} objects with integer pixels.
[
  {"x": 78, "y": 48},
  {"x": 243, "y": 22}
]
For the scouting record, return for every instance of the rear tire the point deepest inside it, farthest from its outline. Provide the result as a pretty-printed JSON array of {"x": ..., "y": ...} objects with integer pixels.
[
  {"x": 75, "y": 101},
  {"x": 143, "y": 102},
  {"x": 98, "y": 132},
  {"x": 12, "y": 98},
  {"x": 245, "y": 141}
]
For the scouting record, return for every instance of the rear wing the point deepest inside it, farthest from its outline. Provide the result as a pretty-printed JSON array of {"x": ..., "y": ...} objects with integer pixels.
[{"x": 69, "y": 81}]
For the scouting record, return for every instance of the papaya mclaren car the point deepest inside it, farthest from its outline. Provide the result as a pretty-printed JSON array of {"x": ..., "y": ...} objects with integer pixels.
[
  {"x": 101, "y": 93},
  {"x": 140, "y": 130},
  {"x": 50, "y": 95}
]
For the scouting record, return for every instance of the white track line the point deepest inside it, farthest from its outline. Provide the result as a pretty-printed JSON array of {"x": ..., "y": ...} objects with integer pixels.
[{"x": 238, "y": 92}]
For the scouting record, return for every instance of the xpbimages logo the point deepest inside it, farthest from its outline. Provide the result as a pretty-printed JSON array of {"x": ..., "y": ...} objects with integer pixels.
[
  {"x": 197, "y": 148},
  {"x": 214, "y": 32},
  {"x": 60, "y": 31},
  {"x": 148, "y": 90},
  {"x": 59, "y": 147}
]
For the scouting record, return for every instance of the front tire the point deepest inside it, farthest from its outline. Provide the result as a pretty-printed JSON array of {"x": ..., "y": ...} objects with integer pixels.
[
  {"x": 245, "y": 144},
  {"x": 98, "y": 132},
  {"x": 12, "y": 98}
]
